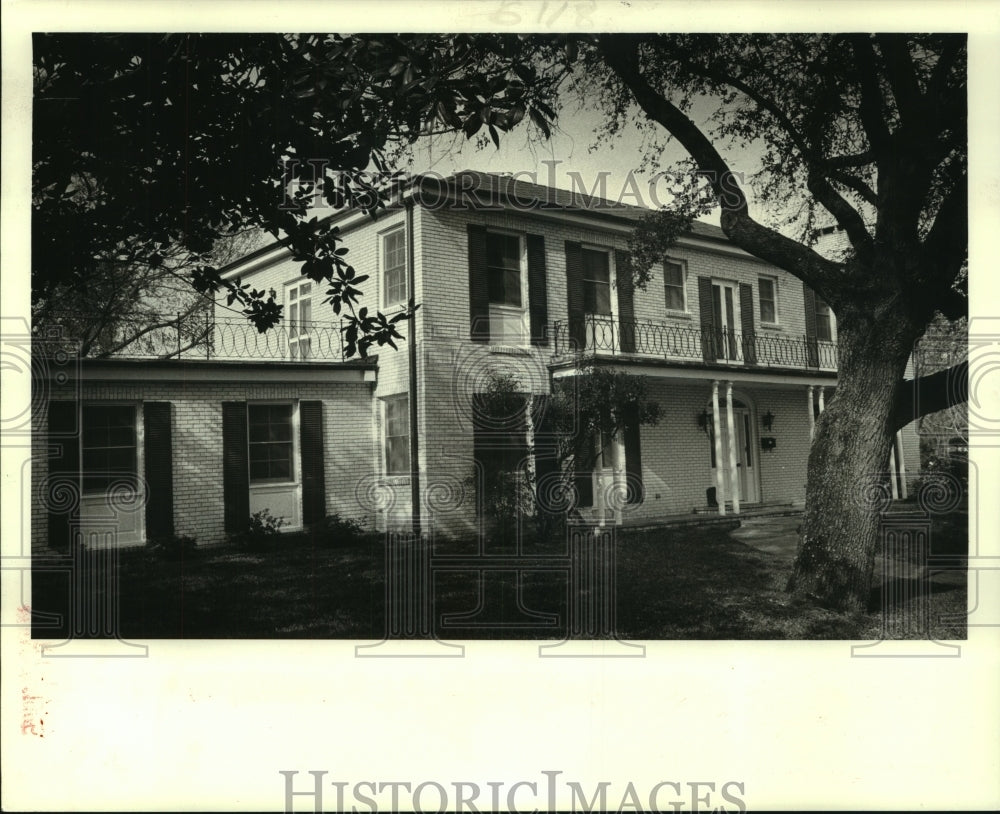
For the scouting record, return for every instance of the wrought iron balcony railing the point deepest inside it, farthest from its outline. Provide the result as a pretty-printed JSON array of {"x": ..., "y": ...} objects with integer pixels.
[
  {"x": 605, "y": 335},
  {"x": 204, "y": 336}
]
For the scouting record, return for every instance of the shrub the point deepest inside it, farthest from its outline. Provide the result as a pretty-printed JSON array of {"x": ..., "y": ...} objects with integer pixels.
[
  {"x": 262, "y": 528},
  {"x": 174, "y": 547},
  {"x": 335, "y": 530}
]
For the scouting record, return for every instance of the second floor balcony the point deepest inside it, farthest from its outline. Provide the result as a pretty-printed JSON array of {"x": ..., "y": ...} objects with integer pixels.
[
  {"x": 637, "y": 340},
  {"x": 202, "y": 335}
]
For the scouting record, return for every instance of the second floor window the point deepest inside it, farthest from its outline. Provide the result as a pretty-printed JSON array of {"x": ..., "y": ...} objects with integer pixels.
[
  {"x": 504, "y": 282},
  {"x": 768, "y": 300},
  {"x": 397, "y": 435},
  {"x": 596, "y": 282},
  {"x": 503, "y": 264},
  {"x": 270, "y": 442},
  {"x": 673, "y": 278},
  {"x": 824, "y": 321},
  {"x": 300, "y": 320},
  {"x": 394, "y": 266}
]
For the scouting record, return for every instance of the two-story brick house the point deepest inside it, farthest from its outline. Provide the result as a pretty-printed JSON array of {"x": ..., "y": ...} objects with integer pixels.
[{"x": 509, "y": 276}]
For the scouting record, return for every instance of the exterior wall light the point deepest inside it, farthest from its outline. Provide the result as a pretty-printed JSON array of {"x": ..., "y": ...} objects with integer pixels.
[{"x": 767, "y": 420}]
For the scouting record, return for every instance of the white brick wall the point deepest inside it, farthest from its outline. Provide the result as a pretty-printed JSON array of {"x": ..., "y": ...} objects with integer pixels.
[{"x": 196, "y": 418}]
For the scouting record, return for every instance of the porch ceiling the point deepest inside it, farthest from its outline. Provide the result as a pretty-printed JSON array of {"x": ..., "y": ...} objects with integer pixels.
[{"x": 770, "y": 377}]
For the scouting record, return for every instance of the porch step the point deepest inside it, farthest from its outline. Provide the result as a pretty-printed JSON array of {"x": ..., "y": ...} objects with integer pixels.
[{"x": 752, "y": 509}]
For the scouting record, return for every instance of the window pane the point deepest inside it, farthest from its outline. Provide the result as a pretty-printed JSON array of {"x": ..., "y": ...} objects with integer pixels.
[
  {"x": 824, "y": 331},
  {"x": 270, "y": 435},
  {"x": 503, "y": 250},
  {"x": 109, "y": 446},
  {"x": 503, "y": 263},
  {"x": 394, "y": 265},
  {"x": 596, "y": 282},
  {"x": 675, "y": 298},
  {"x": 674, "y": 274},
  {"x": 768, "y": 311}
]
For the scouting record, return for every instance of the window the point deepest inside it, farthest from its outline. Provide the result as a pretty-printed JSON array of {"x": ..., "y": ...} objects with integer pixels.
[
  {"x": 505, "y": 284},
  {"x": 596, "y": 282},
  {"x": 109, "y": 447},
  {"x": 271, "y": 446},
  {"x": 397, "y": 435},
  {"x": 300, "y": 320},
  {"x": 394, "y": 266},
  {"x": 673, "y": 280},
  {"x": 767, "y": 290},
  {"x": 824, "y": 321},
  {"x": 503, "y": 264}
]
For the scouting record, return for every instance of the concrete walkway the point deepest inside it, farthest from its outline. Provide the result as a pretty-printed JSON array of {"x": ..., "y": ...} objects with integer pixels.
[{"x": 776, "y": 535}]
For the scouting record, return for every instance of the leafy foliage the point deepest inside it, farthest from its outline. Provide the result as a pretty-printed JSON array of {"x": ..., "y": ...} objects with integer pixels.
[
  {"x": 336, "y": 530},
  {"x": 151, "y": 145},
  {"x": 262, "y": 529}
]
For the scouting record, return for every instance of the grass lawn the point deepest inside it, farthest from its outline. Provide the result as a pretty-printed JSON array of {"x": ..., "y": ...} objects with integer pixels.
[{"x": 685, "y": 583}]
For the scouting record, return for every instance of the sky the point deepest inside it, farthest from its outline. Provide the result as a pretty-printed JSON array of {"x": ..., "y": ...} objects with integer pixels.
[{"x": 572, "y": 145}]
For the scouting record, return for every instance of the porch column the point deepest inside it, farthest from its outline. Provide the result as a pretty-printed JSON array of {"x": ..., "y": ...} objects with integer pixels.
[
  {"x": 812, "y": 418},
  {"x": 618, "y": 476},
  {"x": 720, "y": 492},
  {"x": 892, "y": 470},
  {"x": 903, "y": 491},
  {"x": 822, "y": 403},
  {"x": 734, "y": 475}
]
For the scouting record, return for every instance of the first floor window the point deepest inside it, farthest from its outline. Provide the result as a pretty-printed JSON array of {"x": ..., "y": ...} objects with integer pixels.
[
  {"x": 397, "y": 435},
  {"x": 394, "y": 266},
  {"x": 824, "y": 321},
  {"x": 768, "y": 300},
  {"x": 271, "y": 444},
  {"x": 596, "y": 282},
  {"x": 109, "y": 446},
  {"x": 673, "y": 274}
]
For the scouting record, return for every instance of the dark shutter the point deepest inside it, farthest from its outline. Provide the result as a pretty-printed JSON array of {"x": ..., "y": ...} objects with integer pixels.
[
  {"x": 159, "y": 471},
  {"x": 312, "y": 456},
  {"x": 574, "y": 295},
  {"x": 812, "y": 346},
  {"x": 479, "y": 289},
  {"x": 582, "y": 469},
  {"x": 626, "y": 304},
  {"x": 64, "y": 473},
  {"x": 538, "y": 302},
  {"x": 633, "y": 456},
  {"x": 546, "y": 452},
  {"x": 235, "y": 466},
  {"x": 747, "y": 324},
  {"x": 709, "y": 351}
]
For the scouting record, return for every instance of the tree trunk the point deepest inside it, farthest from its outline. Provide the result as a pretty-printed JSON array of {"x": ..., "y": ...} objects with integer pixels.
[{"x": 847, "y": 487}]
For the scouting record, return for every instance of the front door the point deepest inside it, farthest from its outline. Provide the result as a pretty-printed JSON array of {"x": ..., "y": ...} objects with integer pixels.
[
  {"x": 746, "y": 476},
  {"x": 726, "y": 310}
]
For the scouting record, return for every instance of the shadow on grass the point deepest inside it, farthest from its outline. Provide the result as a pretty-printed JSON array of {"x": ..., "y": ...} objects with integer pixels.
[{"x": 692, "y": 583}]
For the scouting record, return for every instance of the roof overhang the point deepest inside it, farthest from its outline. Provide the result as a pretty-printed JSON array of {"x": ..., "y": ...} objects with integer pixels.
[{"x": 205, "y": 370}]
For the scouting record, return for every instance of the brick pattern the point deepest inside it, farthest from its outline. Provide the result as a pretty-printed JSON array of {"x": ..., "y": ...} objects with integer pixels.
[{"x": 197, "y": 445}]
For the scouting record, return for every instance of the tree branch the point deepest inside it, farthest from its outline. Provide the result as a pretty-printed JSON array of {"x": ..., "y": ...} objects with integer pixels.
[
  {"x": 902, "y": 78},
  {"x": 929, "y": 394},
  {"x": 621, "y": 54},
  {"x": 870, "y": 107},
  {"x": 946, "y": 246}
]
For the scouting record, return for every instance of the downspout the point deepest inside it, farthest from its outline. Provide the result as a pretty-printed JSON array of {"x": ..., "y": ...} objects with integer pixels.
[{"x": 412, "y": 396}]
